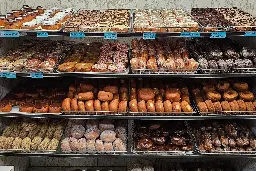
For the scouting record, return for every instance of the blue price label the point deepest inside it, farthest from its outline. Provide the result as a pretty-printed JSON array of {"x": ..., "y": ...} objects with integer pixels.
[
  {"x": 110, "y": 35},
  {"x": 42, "y": 34},
  {"x": 149, "y": 35},
  {"x": 77, "y": 35},
  {"x": 10, "y": 75},
  {"x": 2, "y": 74},
  {"x": 36, "y": 75},
  {"x": 190, "y": 34},
  {"x": 9, "y": 34},
  {"x": 218, "y": 35},
  {"x": 250, "y": 34}
]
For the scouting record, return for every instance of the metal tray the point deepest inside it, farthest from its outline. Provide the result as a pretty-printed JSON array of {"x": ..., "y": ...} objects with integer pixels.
[
  {"x": 164, "y": 71},
  {"x": 94, "y": 113}
]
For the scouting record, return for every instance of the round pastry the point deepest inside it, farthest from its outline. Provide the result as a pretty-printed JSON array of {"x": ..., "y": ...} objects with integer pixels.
[
  {"x": 91, "y": 145},
  {"x": 111, "y": 89},
  {"x": 146, "y": 94},
  {"x": 184, "y": 91},
  {"x": 213, "y": 96},
  {"x": 213, "y": 64},
  {"x": 86, "y": 96},
  {"x": 55, "y": 108},
  {"x": 74, "y": 106},
  {"x": 208, "y": 88},
  {"x": 97, "y": 105},
  {"x": 119, "y": 145},
  {"x": 122, "y": 107},
  {"x": 108, "y": 146},
  {"x": 145, "y": 144},
  {"x": 172, "y": 94},
  {"x": 142, "y": 106},
  {"x": 210, "y": 106},
  {"x": 104, "y": 106},
  {"x": 151, "y": 106},
  {"x": 223, "y": 86},
  {"x": 158, "y": 98},
  {"x": 81, "y": 146},
  {"x": 152, "y": 64},
  {"x": 246, "y": 96},
  {"x": 133, "y": 105},
  {"x": 123, "y": 96},
  {"x": 176, "y": 107},
  {"x": 41, "y": 108},
  {"x": 67, "y": 67},
  {"x": 108, "y": 136},
  {"x": 234, "y": 105},
  {"x": 159, "y": 106},
  {"x": 225, "y": 106},
  {"x": 105, "y": 96},
  {"x": 185, "y": 97},
  {"x": 27, "y": 107},
  {"x": 202, "y": 107},
  {"x": 113, "y": 105},
  {"x": 241, "y": 86},
  {"x": 230, "y": 95},
  {"x": 241, "y": 104},
  {"x": 167, "y": 106},
  {"x": 92, "y": 133},
  {"x": 99, "y": 145},
  {"x": 199, "y": 99},
  {"x": 185, "y": 106},
  {"x": 81, "y": 106},
  {"x": 5, "y": 106},
  {"x": 89, "y": 105},
  {"x": 249, "y": 106},
  {"x": 217, "y": 106},
  {"x": 77, "y": 131}
]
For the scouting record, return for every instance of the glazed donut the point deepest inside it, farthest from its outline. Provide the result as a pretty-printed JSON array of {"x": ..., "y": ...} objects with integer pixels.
[
  {"x": 223, "y": 86},
  {"x": 230, "y": 95},
  {"x": 241, "y": 86},
  {"x": 196, "y": 92},
  {"x": 241, "y": 104},
  {"x": 234, "y": 105},
  {"x": 105, "y": 96},
  {"x": 151, "y": 106},
  {"x": 249, "y": 106},
  {"x": 27, "y": 107},
  {"x": 116, "y": 96},
  {"x": 74, "y": 106},
  {"x": 97, "y": 105},
  {"x": 167, "y": 106},
  {"x": 208, "y": 88},
  {"x": 142, "y": 106},
  {"x": 41, "y": 108},
  {"x": 185, "y": 97},
  {"x": 111, "y": 89},
  {"x": 176, "y": 107},
  {"x": 159, "y": 106},
  {"x": 199, "y": 99},
  {"x": 213, "y": 96},
  {"x": 85, "y": 96},
  {"x": 123, "y": 96},
  {"x": 133, "y": 105},
  {"x": 146, "y": 94},
  {"x": 5, "y": 107},
  {"x": 210, "y": 106},
  {"x": 81, "y": 106},
  {"x": 113, "y": 105},
  {"x": 202, "y": 107},
  {"x": 185, "y": 106},
  {"x": 225, "y": 106},
  {"x": 122, "y": 107},
  {"x": 89, "y": 105},
  {"x": 172, "y": 94},
  {"x": 158, "y": 98},
  {"x": 55, "y": 108},
  {"x": 217, "y": 106},
  {"x": 105, "y": 106},
  {"x": 86, "y": 87},
  {"x": 66, "y": 104},
  {"x": 184, "y": 91},
  {"x": 246, "y": 96}
]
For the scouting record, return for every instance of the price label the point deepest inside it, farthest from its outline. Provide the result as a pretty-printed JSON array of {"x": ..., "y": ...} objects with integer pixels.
[
  {"x": 42, "y": 34},
  {"x": 190, "y": 34},
  {"x": 77, "y": 35},
  {"x": 10, "y": 75},
  {"x": 149, "y": 35},
  {"x": 250, "y": 34},
  {"x": 36, "y": 75},
  {"x": 110, "y": 35},
  {"x": 2, "y": 74},
  {"x": 218, "y": 35},
  {"x": 9, "y": 34}
]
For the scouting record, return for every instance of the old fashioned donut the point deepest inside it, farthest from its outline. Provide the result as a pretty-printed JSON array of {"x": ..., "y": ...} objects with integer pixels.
[
  {"x": 213, "y": 96},
  {"x": 97, "y": 105},
  {"x": 176, "y": 107},
  {"x": 184, "y": 91},
  {"x": 151, "y": 106},
  {"x": 202, "y": 107},
  {"x": 210, "y": 106},
  {"x": 241, "y": 104},
  {"x": 111, "y": 89},
  {"x": 246, "y": 96},
  {"x": 81, "y": 106},
  {"x": 217, "y": 106},
  {"x": 66, "y": 104},
  {"x": 123, "y": 96},
  {"x": 208, "y": 88},
  {"x": 55, "y": 108},
  {"x": 146, "y": 94},
  {"x": 85, "y": 96},
  {"x": 185, "y": 97},
  {"x": 185, "y": 106},
  {"x": 167, "y": 106},
  {"x": 122, "y": 107},
  {"x": 223, "y": 86},
  {"x": 41, "y": 108},
  {"x": 86, "y": 87},
  {"x": 249, "y": 106},
  {"x": 241, "y": 86},
  {"x": 230, "y": 95},
  {"x": 27, "y": 107},
  {"x": 133, "y": 105},
  {"x": 89, "y": 105},
  {"x": 234, "y": 105},
  {"x": 142, "y": 106},
  {"x": 172, "y": 94},
  {"x": 105, "y": 106},
  {"x": 159, "y": 106},
  {"x": 158, "y": 98},
  {"x": 225, "y": 106},
  {"x": 74, "y": 106},
  {"x": 105, "y": 96},
  {"x": 113, "y": 105}
]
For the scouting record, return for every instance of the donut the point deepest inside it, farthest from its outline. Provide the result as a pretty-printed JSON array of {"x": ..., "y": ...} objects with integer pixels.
[
  {"x": 208, "y": 88},
  {"x": 123, "y": 96},
  {"x": 196, "y": 92},
  {"x": 66, "y": 104},
  {"x": 113, "y": 105},
  {"x": 202, "y": 107},
  {"x": 234, "y": 105},
  {"x": 213, "y": 96},
  {"x": 89, "y": 105},
  {"x": 142, "y": 106},
  {"x": 158, "y": 98},
  {"x": 185, "y": 97},
  {"x": 199, "y": 99},
  {"x": 85, "y": 96},
  {"x": 249, "y": 106},
  {"x": 241, "y": 86},
  {"x": 150, "y": 106},
  {"x": 26, "y": 107},
  {"x": 146, "y": 94},
  {"x": 159, "y": 106},
  {"x": 241, "y": 104},
  {"x": 67, "y": 67},
  {"x": 167, "y": 106},
  {"x": 105, "y": 96},
  {"x": 122, "y": 107},
  {"x": 111, "y": 89},
  {"x": 74, "y": 106},
  {"x": 223, "y": 86},
  {"x": 217, "y": 106},
  {"x": 105, "y": 106},
  {"x": 97, "y": 105},
  {"x": 176, "y": 107},
  {"x": 172, "y": 94},
  {"x": 5, "y": 107},
  {"x": 86, "y": 87},
  {"x": 184, "y": 91},
  {"x": 185, "y": 106},
  {"x": 133, "y": 105},
  {"x": 230, "y": 95},
  {"x": 55, "y": 108},
  {"x": 81, "y": 106},
  {"x": 41, "y": 108},
  {"x": 225, "y": 106},
  {"x": 210, "y": 106},
  {"x": 246, "y": 96}
]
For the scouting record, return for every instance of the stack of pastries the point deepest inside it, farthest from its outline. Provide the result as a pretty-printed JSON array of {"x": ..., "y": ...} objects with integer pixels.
[
  {"x": 95, "y": 97},
  {"x": 224, "y": 97},
  {"x": 157, "y": 97}
]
